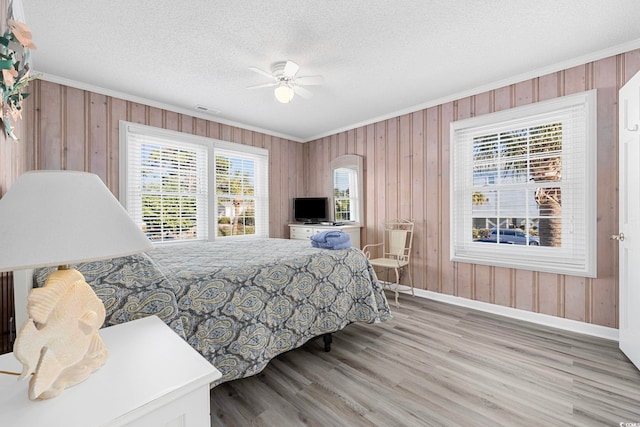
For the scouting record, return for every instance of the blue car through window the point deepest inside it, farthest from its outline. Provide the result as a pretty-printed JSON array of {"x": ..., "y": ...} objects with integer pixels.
[{"x": 510, "y": 236}]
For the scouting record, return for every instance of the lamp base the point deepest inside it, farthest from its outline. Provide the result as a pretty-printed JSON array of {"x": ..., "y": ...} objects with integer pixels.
[{"x": 60, "y": 344}]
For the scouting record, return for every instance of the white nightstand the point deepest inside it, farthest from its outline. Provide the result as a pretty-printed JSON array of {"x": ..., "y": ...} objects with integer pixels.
[{"x": 152, "y": 378}]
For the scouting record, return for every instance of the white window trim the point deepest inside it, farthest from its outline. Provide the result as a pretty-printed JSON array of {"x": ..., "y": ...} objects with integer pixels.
[
  {"x": 355, "y": 163},
  {"x": 352, "y": 178},
  {"x": 545, "y": 259},
  {"x": 212, "y": 145},
  {"x": 261, "y": 158}
]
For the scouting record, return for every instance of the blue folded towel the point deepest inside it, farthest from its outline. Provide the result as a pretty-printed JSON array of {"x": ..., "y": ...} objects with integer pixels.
[
  {"x": 331, "y": 239},
  {"x": 330, "y": 236},
  {"x": 331, "y": 246}
]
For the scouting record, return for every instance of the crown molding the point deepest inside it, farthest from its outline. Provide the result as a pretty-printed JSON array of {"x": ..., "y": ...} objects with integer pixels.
[
  {"x": 140, "y": 100},
  {"x": 580, "y": 60},
  {"x": 564, "y": 65}
]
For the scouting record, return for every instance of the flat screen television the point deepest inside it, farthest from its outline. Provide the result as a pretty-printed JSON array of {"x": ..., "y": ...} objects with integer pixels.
[{"x": 311, "y": 210}]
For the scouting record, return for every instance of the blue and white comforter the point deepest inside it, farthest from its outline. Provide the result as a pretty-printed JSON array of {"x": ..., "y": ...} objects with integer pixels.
[{"x": 241, "y": 303}]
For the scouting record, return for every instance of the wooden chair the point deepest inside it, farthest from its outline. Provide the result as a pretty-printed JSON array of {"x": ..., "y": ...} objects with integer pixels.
[{"x": 394, "y": 251}]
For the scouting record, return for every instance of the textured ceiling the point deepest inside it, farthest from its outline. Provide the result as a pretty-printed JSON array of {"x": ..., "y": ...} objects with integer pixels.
[{"x": 378, "y": 58}]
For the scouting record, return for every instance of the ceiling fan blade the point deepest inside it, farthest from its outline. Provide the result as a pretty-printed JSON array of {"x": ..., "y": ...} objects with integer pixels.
[
  {"x": 263, "y": 85},
  {"x": 290, "y": 69},
  {"x": 304, "y": 93},
  {"x": 309, "y": 80},
  {"x": 264, "y": 73}
]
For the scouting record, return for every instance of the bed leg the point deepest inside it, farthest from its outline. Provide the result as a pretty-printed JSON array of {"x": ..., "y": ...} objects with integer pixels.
[{"x": 327, "y": 342}]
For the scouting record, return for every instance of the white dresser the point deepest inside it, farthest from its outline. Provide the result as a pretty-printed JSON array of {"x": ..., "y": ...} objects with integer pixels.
[
  {"x": 151, "y": 378},
  {"x": 304, "y": 231}
]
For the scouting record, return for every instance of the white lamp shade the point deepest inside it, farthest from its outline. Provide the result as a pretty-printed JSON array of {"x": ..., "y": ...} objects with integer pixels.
[
  {"x": 50, "y": 218},
  {"x": 283, "y": 93}
]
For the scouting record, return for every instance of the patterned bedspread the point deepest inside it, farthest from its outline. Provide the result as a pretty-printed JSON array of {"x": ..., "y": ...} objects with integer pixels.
[{"x": 241, "y": 303}]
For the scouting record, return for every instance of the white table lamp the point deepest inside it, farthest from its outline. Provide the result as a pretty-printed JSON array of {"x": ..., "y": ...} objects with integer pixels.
[{"x": 58, "y": 218}]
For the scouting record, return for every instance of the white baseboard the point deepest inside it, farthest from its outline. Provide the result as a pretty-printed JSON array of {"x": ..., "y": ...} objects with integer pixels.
[{"x": 514, "y": 313}]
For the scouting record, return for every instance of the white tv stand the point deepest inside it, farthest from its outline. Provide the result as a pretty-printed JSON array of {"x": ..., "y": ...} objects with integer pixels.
[{"x": 301, "y": 231}]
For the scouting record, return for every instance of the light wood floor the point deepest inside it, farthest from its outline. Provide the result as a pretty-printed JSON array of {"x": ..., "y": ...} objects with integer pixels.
[{"x": 442, "y": 365}]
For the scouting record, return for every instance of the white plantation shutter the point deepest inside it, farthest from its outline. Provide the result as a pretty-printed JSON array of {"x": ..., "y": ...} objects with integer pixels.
[
  {"x": 168, "y": 186},
  {"x": 500, "y": 162}
]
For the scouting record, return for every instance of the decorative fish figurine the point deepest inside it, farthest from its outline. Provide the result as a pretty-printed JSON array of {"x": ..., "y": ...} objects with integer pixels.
[{"x": 63, "y": 347}]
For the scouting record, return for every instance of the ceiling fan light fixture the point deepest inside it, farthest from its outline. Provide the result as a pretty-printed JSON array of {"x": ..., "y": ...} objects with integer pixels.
[{"x": 283, "y": 93}]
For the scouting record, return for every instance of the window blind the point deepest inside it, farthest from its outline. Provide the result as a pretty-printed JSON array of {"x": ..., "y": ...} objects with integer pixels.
[
  {"x": 167, "y": 187},
  {"x": 530, "y": 169},
  {"x": 242, "y": 192},
  {"x": 180, "y": 187}
]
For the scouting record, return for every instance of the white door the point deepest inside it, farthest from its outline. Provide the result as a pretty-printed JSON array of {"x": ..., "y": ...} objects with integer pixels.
[{"x": 629, "y": 237}]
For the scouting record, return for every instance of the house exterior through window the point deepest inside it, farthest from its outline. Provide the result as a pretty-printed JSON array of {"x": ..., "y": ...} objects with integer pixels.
[{"x": 523, "y": 187}]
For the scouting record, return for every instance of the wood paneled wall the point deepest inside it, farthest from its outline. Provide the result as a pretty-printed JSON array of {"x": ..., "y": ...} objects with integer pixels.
[
  {"x": 73, "y": 129},
  {"x": 7, "y": 326},
  {"x": 68, "y": 128},
  {"x": 407, "y": 175}
]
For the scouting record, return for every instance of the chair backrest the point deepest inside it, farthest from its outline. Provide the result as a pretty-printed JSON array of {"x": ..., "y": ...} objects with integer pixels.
[{"x": 398, "y": 238}]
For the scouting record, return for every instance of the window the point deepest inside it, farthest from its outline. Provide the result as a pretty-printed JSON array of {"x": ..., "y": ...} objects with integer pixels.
[
  {"x": 239, "y": 196},
  {"x": 523, "y": 187},
  {"x": 178, "y": 186},
  {"x": 345, "y": 195},
  {"x": 346, "y": 187}
]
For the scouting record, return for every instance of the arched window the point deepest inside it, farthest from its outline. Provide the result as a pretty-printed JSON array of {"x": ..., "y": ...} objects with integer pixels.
[{"x": 346, "y": 188}]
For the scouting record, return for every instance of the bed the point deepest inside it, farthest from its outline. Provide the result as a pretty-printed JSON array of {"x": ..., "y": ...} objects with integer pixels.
[{"x": 240, "y": 303}]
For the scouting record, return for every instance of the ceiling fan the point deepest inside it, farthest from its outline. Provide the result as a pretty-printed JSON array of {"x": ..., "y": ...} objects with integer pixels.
[{"x": 283, "y": 76}]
